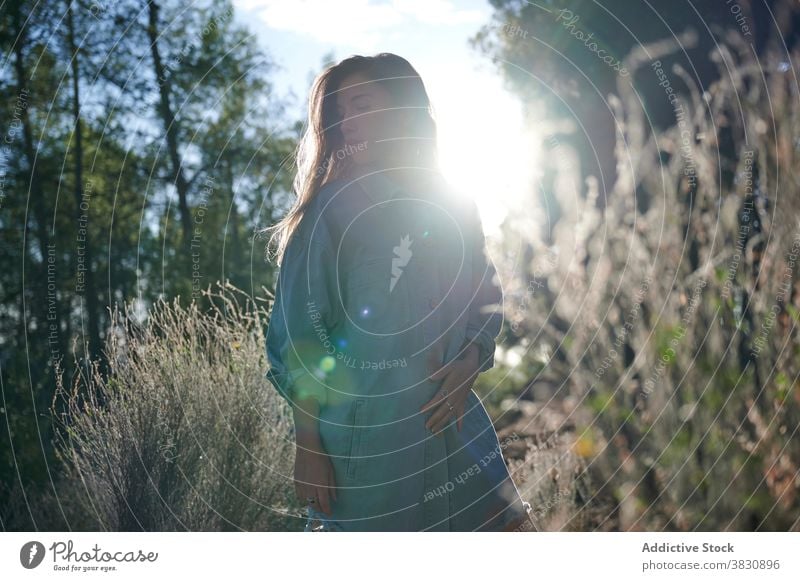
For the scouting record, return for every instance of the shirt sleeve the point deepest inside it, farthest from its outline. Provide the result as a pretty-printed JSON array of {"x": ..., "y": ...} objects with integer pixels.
[
  {"x": 485, "y": 311},
  {"x": 305, "y": 310}
]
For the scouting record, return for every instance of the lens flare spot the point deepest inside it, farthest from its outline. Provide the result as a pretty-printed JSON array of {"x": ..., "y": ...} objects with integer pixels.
[{"x": 327, "y": 364}]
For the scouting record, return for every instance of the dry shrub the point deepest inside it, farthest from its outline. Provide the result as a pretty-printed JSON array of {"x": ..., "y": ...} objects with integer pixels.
[
  {"x": 667, "y": 320},
  {"x": 184, "y": 432}
]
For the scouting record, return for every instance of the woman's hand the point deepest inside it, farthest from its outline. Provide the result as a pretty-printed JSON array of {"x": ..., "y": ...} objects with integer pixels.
[
  {"x": 314, "y": 477},
  {"x": 459, "y": 375}
]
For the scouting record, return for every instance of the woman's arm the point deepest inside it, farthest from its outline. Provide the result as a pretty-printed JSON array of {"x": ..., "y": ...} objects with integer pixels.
[
  {"x": 306, "y": 423},
  {"x": 485, "y": 312},
  {"x": 484, "y": 321},
  {"x": 304, "y": 311},
  {"x": 314, "y": 476}
]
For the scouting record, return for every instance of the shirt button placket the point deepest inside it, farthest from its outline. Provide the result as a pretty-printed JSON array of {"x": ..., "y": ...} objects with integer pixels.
[
  {"x": 427, "y": 270},
  {"x": 436, "y": 503},
  {"x": 429, "y": 324}
]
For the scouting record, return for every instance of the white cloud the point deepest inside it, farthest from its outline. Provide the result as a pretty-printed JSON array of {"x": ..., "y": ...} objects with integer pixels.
[
  {"x": 438, "y": 12},
  {"x": 355, "y": 22}
]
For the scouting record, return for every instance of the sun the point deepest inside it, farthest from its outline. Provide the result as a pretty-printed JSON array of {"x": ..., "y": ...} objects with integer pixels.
[{"x": 485, "y": 150}]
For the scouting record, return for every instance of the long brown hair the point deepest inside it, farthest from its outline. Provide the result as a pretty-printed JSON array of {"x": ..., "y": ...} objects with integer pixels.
[{"x": 317, "y": 155}]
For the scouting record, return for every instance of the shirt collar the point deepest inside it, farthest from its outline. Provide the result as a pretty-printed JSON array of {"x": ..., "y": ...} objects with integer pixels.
[{"x": 378, "y": 184}]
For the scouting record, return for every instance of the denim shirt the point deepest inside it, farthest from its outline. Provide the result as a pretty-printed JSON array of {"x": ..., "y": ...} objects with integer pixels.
[{"x": 381, "y": 285}]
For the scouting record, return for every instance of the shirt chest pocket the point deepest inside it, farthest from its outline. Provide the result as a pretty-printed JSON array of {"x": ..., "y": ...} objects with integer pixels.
[{"x": 377, "y": 298}]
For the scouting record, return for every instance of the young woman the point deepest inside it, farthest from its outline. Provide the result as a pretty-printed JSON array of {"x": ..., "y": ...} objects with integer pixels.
[{"x": 385, "y": 312}]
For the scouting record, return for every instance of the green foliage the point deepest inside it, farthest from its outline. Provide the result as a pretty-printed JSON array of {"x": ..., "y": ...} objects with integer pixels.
[{"x": 88, "y": 207}]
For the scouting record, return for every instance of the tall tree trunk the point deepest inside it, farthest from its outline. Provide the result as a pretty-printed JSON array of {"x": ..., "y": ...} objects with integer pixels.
[
  {"x": 92, "y": 349},
  {"x": 50, "y": 328},
  {"x": 170, "y": 126},
  {"x": 234, "y": 221}
]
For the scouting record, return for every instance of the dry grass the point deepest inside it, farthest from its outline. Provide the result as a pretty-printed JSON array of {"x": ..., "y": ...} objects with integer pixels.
[
  {"x": 672, "y": 352},
  {"x": 185, "y": 434}
]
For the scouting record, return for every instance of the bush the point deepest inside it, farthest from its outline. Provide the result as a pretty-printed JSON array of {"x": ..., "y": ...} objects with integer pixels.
[
  {"x": 668, "y": 319},
  {"x": 184, "y": 432}
]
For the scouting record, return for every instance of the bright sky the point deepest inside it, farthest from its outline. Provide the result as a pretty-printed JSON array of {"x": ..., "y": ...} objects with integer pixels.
[{"x": 482, "y": 147}]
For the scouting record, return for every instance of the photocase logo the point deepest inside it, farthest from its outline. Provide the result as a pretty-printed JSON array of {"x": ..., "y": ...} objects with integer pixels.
[
  {"x": 31, "y": 554},
  {"x": 402, "y": 255}
]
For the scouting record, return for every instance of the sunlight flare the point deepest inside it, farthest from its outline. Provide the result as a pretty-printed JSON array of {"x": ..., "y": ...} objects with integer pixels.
[{"x": 484, "y": 148}]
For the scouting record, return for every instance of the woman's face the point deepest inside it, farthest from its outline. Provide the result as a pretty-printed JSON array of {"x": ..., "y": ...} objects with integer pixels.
[{"x": 372, "y": 128}]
